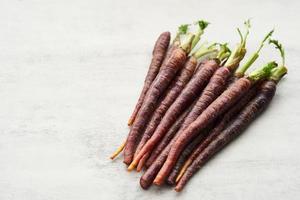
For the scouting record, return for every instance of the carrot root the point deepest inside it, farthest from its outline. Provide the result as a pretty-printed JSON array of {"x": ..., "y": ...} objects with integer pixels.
[
  {"x": 183, "y": 170},
  {"x": 142, "y": 162},
  {"x": 130, "y": 121},
  {"x": 118, "y": 151}
]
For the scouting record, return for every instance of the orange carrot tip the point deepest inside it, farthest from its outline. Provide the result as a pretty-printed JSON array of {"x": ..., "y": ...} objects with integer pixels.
[
  {"x": 158, "y": 181},
  {"x": 130, "y": 121},
  {"x": 183, "y": 169},
  {"x": 142, "y": 162},
  {"x": 140, "y": 166},
  {"x": 118, "y": 151},
  {"x": 132, "y": 165}
]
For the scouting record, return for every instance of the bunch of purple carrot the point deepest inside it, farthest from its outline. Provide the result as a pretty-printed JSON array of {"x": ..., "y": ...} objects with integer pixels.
[{"x": 196, "y": 99}]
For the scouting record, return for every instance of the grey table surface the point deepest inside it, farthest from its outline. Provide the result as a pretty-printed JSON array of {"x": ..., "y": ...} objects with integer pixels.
[{"x": 71, "y": 72}]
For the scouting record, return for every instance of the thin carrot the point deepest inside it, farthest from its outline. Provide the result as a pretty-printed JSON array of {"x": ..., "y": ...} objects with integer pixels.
[
  {"x": 142, "y": 162},
  {"x": 214, "y": 110},
  {"x": 157, "y": 88},
  {"x": 158, "y": 54},
  {"x": 118, "y": 151},
  {"x": 260, "y": 102},
  {"x": 182, "y": 30},
  {"x": 188, "y": 95}
]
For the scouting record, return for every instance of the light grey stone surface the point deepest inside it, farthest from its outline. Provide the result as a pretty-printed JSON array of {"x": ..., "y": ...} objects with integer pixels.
[{"x": 71, "y": 72}]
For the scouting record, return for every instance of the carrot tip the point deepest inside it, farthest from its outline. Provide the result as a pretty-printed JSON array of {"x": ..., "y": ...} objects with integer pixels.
[
  {"x": 157, "y": 182},
  {"x": 138, "y": 169},
  {"x": 178, "y": 178},
  {"x": 130, "y": 122},
  {"x": 118, "y": 151},
  {"x": 114, "y": 155},
  {"x": 183, "y": 170},
  {"x": 132, "y": 166}
]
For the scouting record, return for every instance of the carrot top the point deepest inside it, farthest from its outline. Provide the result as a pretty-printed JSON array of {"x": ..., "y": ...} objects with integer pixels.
[
  {"x": 201, "y": 26},
  {"x": 280, "y": 71},
  {"x": 204, "y": 50},
  {"x": 187, "y": 42},
  {"x": 280, "y": 48},
  {"x": 277, "y": 73},
  {"x": 239, "y": 52},
  {"x": 219, "y": 51},
  {"x": 223, "y": 53},
  {"x": 182, "y": 30},
  {"x": 262, "y": 72},
  {"x": 241, "y": 70}
]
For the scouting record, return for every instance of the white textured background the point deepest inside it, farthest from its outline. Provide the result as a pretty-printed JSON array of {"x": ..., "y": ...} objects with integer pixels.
[{"x": 71, "y": 72}]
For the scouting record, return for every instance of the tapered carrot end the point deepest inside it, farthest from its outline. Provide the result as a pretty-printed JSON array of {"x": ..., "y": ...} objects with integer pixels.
[
  {"x": 178, "y": 189},
  {"x": 115, "y": 154},
  {"x": 142, "y": 162},
  {"x": 178, "y": 177},
  {"x": 145, "y": 184},
  {"x": 130, "y": 121},
  {"x": 183, "y": 170},
  {"x": 118, "y": 151},
  {"x": 132, "y": 166},
  {"x": 157, "y": 181},
  {"x": 140, "y": 166}
]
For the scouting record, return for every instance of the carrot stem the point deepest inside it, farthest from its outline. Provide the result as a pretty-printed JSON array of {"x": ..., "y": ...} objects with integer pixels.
[
  {"x": 224, "y": 52},
  {"x": 186, "y": 44},
  {"x": 239, "y": 52},
  {"x": 118, "y": 151},
  {"x": 262, "y": 72},
  {"x": 182, "y": 29},
  {"x": 203, "y": 50},
  {"x": 241, "y": 70},
  {"x": 280, "y": 48},
  {"x": 202, "y": 25},
  {"x": 278, "y": 73}
]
